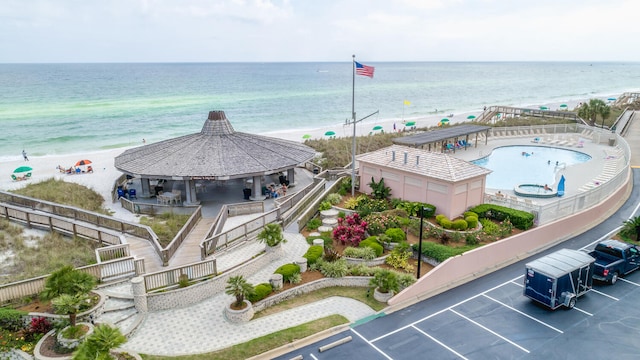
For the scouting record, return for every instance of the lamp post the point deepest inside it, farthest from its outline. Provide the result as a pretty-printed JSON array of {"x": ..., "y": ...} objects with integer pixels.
[{"x": 420, "y": 241}]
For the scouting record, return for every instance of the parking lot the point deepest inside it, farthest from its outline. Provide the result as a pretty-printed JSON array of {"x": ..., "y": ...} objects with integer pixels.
[{"x": 500, "y": 323}]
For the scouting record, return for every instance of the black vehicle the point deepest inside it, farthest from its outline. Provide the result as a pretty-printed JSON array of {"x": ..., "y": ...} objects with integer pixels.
[
  {"x": 558, "y": 279},
  {"x": 614, "y": 259}
]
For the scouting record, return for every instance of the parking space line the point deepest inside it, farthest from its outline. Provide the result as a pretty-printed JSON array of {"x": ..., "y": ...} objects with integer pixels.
[
  {"x": 525, "y": 314},
  {"x": 370, "y": 344},
  {"x": 517, "y": 283},
  {"x": 489, "y": 330},
  {"x": 582, "y": 311},
  {"x": 444, "y": 310},
  {"x": 440, "y": 343},
  {"x": 628, "y": 282},
  {"x": 603, "y": 294}
]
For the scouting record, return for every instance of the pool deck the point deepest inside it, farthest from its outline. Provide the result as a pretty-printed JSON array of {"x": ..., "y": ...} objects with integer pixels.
[{"x": 605, "y": 162}]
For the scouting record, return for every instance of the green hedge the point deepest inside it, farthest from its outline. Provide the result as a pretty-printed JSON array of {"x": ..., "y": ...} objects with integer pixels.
[
  {"x": 520, "y": 219},
  {"x": 287, "y": 271},
  {"x": 459, "y": 224},
  {"x": 372, "y": 242},
  {"x": 260, "y": 292},
  {"x": 313, "y": 254},
  {"x": 396, "y": 235},
  {"x": 441, "y": 252},
  {"x": 472, "y": 221}
]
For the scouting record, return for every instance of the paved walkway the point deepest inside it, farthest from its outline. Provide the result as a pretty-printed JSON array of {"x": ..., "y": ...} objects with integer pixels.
[{"x": 202, "y": 328}]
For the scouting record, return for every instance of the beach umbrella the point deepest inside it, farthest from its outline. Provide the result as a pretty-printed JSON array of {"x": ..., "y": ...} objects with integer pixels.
[
  {"x": 330, "y": 133},
  {"x": 564, "y": 106},
  {"x": 611, "y": 99},
  {"x": 306, "y": 136},
  {"x": 444, "y": 121},
  {"x": 410, "y": 123},
  {"x": 83, "y": 162},
  {"x": 377, "y": 127},
  {"x": 22, "y": 169},
  {"x": 544, "y": 108},
  {"x": 471, "y": 117}
]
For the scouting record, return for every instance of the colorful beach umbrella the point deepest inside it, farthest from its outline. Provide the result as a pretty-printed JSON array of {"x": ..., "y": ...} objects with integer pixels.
[
  {"x": 330, "y": 133},
  {"x": 83, "y": 162},
  {"x": 377, "y": 127},
  {"x": 444, "y": 121},
  {"x": 306, "y": 136},
  {"x": 471, "y": 117},
  {"x": 611, "y": 99},
  {"x": 410, "y": 123},
  {"x": 22, "y": 169}
]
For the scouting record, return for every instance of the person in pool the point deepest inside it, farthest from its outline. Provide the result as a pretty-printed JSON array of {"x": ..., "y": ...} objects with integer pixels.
[{"x": 546, "y": 187}]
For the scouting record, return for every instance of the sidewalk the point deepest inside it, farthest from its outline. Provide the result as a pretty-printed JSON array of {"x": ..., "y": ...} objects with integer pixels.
[{"x": 202, "y": 328}]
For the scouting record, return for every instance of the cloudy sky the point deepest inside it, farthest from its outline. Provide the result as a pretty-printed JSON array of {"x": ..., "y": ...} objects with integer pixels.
[{"x": 44, "y": 31}]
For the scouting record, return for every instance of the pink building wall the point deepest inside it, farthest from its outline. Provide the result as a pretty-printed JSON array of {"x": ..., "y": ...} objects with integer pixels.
[{"x": 451, "y": 199}]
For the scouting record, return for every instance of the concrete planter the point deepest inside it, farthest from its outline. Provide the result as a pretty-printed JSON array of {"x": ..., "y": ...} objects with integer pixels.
[
  {"x": 382, "y": 297},
  {"x": 73, "y": 343},
  {"x": 239, "y": 316}
]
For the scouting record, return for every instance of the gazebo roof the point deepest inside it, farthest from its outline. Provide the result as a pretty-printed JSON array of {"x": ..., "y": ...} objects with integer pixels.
[
  {"x": 217, "y": 152},
  {"x": 422, "y": 162}
]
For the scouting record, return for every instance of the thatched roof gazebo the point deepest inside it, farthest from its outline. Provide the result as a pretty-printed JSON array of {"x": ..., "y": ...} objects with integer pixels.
[{"x": 217, "y": 152}]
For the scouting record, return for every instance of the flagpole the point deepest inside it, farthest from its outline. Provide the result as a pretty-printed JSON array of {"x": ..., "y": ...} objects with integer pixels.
[{"x": 353, "y": 118}]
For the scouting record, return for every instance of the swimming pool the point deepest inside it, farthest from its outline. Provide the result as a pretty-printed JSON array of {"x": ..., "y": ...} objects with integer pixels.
[{"x": 521, "y": 164}]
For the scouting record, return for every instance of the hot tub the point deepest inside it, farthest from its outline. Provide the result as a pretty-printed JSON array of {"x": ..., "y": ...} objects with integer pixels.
[{"x": 534, "y": 190}]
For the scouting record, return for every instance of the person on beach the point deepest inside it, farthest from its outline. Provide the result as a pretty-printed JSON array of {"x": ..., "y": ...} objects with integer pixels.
[{"x": 24, "y": 155}]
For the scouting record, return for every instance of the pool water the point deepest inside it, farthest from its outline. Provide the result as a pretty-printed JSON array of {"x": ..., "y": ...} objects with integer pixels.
[{"x": 513, "y": 165}]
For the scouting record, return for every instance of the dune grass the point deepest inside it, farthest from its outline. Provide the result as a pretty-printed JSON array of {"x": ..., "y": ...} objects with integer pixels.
[
  {"x": 166, "y": 225},
  {"x": 65, "y": 193}
]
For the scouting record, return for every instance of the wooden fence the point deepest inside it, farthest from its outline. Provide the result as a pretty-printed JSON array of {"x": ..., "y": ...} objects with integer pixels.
[
  {"x": 168, "y": 279},
  {"x": 240, "y": 232},
  {"x": 104, "y": 272}
]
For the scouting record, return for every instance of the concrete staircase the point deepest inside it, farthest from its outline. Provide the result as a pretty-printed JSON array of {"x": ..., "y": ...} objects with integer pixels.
[{"x": 119, "y": 309}]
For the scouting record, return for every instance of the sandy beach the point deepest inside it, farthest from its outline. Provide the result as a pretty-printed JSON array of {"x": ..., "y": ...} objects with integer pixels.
[{"x": 105, "y": 173}]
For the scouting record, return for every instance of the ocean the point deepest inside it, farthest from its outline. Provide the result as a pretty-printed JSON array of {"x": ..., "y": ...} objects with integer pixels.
[{"x": 52, "y": 109}]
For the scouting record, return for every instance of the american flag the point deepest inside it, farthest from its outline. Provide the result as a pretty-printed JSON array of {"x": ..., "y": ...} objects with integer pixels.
[{"x": 364, "y": 70}]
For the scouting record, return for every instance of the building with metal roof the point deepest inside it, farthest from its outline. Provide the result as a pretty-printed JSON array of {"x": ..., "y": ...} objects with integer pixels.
[
  {"x": 217, "y": 152},
  {"x": 436, "y": 140}
]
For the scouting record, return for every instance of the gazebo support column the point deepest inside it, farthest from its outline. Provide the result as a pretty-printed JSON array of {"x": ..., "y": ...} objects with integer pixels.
[
  {"x": 190, "y": 187},
  {"x": 256, "y": 190},
  {"x": 146, "y": 190},
  {"x": 291, "y": 176}
]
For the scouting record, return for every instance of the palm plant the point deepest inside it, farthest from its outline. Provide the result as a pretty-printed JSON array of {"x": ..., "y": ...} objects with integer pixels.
[
  {"x": 631, "y": 228},
  {"x": 69, "y": 305},
  {"x": 272, "y": 235},
  {"x": 386, "y": 281},
  {"x": 239, "y": 287},
  {"x": 67, "y": 280},
  {"x": 99, "y": 344}
]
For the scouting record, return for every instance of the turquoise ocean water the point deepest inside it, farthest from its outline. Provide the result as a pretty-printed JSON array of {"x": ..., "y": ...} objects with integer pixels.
[{"x": 73, "y": 108}]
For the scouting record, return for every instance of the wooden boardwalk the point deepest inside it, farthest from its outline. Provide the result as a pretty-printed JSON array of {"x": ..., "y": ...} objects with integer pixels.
[{"x": 189, "y": 251}]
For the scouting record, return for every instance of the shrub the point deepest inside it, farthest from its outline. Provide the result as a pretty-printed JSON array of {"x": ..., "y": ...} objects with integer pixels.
[
  {"x": 335, "y": 269},
  {"x": 459, "y": 224},
  {"x": 361, "y": 270},
  {"x": 396, "y": 234},
  {"x": 325, "y": 205},
  {"x": 405, "y": 280},
  {"x": 399, "y": 257},
  {"x": 472, "y": 239},
  {"x": 521, "y": 219},
  {"x": 489, "y": 227},
  {"x": 439, "y": 252},
  {"x": 351, "y": 203},
  {"x": 39, "y": 325},
  {"x": 472, "y": 221},
  {"x": 446, "y": 223},
  {"x": 334, "y": 198},
  {"x": 313, "y": 254},
  {"x": 330, "y": 255},
  {"x": 11, "y": 319},
  {"x": 374, "y": 245},
  {"x": 271, "y": 235},
  {"x": 385, "y": 280},
  {"x": 295, "y": 278},
  {"x": 350, "y": 230},
  {"x": 445, "y": 238},
  {"x": 365, "y": 253},
  {"x": 439, "y": 218},
  {"x": 314, "y": 224},
  {"x": 379, "y": 190},
  {"x": 287, "y": 271},
  {"x": 341, "y": 214},
  {"x": 238, "y": 287}
]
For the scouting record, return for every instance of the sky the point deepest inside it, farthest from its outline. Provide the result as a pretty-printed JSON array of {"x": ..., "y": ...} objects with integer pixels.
[{"x": 81, "y": 31}]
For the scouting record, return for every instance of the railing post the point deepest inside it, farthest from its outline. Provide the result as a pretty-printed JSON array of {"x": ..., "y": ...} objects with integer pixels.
[
  {"x": 28, "y": 220},
  {"x": 75, "y": 233}
]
